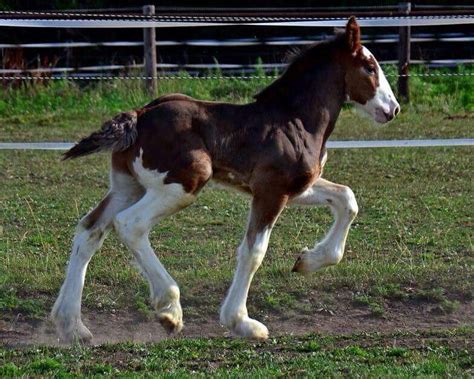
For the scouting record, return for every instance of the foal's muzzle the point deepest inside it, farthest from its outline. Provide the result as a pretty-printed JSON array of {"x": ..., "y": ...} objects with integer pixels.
[{"x": 386, "y": 114}]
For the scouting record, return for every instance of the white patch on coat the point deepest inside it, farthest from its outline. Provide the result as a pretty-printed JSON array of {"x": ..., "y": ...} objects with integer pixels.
[
  {"x": 124, "y": 191},
  {"x": 341, "y": 200},
  {"x": 234, "y": 312},
  {"x": 133, "y": 226},
  {"x": 383, "y": 107},
  {"x": 170, "y": 196},
  {"x": 324, "y": 159},
  {"x": 66, "y": 311}
]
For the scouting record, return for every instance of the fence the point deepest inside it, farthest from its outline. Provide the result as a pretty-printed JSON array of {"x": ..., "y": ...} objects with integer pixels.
[{"x": 404, "y": 19}]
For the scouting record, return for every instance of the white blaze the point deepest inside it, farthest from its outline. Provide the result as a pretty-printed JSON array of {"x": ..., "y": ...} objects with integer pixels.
[{"x": 383, "y": 106}]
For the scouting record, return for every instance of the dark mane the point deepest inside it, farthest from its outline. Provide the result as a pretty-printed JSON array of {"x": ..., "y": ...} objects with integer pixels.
[{"x": 299, "y": 63}]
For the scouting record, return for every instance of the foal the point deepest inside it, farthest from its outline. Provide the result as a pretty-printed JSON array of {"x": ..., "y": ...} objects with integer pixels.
[{"x": 272, "y": 149}]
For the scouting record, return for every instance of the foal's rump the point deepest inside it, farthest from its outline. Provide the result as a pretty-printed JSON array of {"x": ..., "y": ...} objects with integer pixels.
[{"x": 119, "y": 133}]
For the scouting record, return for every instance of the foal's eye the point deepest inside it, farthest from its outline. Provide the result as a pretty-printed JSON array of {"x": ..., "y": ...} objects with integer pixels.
[{"x": 370, "y": 70}]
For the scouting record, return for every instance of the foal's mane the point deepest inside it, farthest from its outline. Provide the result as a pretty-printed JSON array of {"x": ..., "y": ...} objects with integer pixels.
[{"x": 299, "y": 62}]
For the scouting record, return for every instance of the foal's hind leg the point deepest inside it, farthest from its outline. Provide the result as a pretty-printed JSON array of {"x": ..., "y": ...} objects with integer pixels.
[
  {"x": 90, "y": 234},
  {"x": 133, "y": 226},
  {"x": 341, "y": 200}
]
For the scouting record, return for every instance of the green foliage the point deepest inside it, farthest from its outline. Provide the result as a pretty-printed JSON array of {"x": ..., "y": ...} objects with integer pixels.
[
  {"x": 431, "y": 294},
  {"x": 375, "y": 306},
  {"x": 63, "y": 110},
  {"x": 439, "y": 92},
  {"x": 10, "y": 300},
  {"x": 443, "y": 93},
  {"x": 447, "y": 93},
  {"x": 9, "y": 370},
  {"x": 375, "y": 297},
  {"x": 142, "y": 306},
  {"x": 42, "y": 366},
  {"x": 448, "y": 306}
]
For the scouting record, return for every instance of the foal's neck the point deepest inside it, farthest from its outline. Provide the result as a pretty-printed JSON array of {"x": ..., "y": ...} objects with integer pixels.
[
  {"x": 315, "y": 99},
  {"x": 320, "y": 100}
]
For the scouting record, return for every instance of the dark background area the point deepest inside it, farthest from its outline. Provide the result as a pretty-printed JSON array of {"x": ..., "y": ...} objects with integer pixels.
[
  {"x": 91, "y": 56},
  {"x": 76, "y": 4}
]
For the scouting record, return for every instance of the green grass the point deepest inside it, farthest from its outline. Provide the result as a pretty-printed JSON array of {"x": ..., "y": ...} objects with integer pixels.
[
  {"x": 434, "y": 355},
  {"x": 410, "y": 242},
  {"x": 61, "y": 110},
  {"x": 410, "y": 247}
]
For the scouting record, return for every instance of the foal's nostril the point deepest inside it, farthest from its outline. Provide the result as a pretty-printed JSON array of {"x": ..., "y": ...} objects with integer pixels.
[
  {"x": 389, "y": 116},
  {"x": 397, "y": 110}
]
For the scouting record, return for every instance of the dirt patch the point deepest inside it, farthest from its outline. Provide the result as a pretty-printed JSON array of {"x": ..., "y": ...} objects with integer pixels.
[
  {"x": 399, "y": 317},
  {"x": 131, "y": 326}
]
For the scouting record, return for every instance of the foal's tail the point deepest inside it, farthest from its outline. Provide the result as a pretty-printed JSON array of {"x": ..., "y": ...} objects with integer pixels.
[{"x": 117, "y": 134}]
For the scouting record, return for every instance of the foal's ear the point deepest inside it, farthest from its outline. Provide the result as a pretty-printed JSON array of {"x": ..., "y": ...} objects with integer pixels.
[{"x": 353, "y": 34}]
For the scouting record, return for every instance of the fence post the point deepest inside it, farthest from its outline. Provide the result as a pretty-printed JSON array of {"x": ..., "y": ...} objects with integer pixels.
[
  {"x": 149, "y": 50},
  {"x": 404, "y": 54}
]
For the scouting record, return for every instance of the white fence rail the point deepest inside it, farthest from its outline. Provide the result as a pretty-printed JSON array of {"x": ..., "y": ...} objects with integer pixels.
[
  {"x": 330, "y": 144},
  {"x": 189, "y": 21},
  {"x": 173, "y": 68}
]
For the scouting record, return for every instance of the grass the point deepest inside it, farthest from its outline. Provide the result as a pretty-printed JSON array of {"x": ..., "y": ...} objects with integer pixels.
[
  {"x": 411, "y": 240},
  {"x": 61, "y": 110},
  {"x": 440, "y": 354},
  {"x": 410, "y": 247}
]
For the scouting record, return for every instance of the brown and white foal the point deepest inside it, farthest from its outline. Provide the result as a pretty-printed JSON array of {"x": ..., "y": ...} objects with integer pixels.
[{"x": 272, "y": 149}]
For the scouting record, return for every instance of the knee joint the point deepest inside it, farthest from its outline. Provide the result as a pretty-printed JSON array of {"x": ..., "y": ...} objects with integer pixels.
[
  {"x": 120, "y": 226},
  {"x": 350, "y": 202},
  {"x": 86, "y": 241},
  {"x": 128, "y": 231},
  {"x": 257, "y": 254},
  {"x": 254, "y": 255}
]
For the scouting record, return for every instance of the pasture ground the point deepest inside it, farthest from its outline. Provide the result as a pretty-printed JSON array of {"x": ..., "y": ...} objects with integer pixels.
[
  {"x": 426, "y": 354},
  {"x": 399, "y": 304}
]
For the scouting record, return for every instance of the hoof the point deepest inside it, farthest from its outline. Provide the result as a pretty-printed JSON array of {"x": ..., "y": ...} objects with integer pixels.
[
  {"x": 248, "y": 328},
  {"x": 171, "y": 318},
  {"x": 82, "y": 335},
  {"x": 168, "y": 310},
  {"x": 316, "y": 259},
  {"x": 73, "y": 331},
  {"x": 306, "y": 264},
  {"x": 298, "y": 266},
  {"x": 251, "y": 329},
  {"x": 171, "y": 325}
]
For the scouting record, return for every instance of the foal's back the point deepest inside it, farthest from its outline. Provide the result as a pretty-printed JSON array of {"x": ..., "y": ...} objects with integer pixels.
[{"x": 237, "y": 144}]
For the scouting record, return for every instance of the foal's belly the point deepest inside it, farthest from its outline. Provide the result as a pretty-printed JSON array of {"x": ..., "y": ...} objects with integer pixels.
[
  {"x": 296, "y": 184},
  {"x": 231, "y": 180}
]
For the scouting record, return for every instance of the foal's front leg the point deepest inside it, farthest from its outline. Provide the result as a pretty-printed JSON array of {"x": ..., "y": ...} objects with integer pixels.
[
  {"x": 344, "y": 207},
  {"x": 250, "y": 255}
]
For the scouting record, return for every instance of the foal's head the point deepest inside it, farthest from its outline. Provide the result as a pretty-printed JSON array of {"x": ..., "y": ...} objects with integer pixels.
[
  {"x": 336, "y": 69},
  {"x": 365, "y": 82}
]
